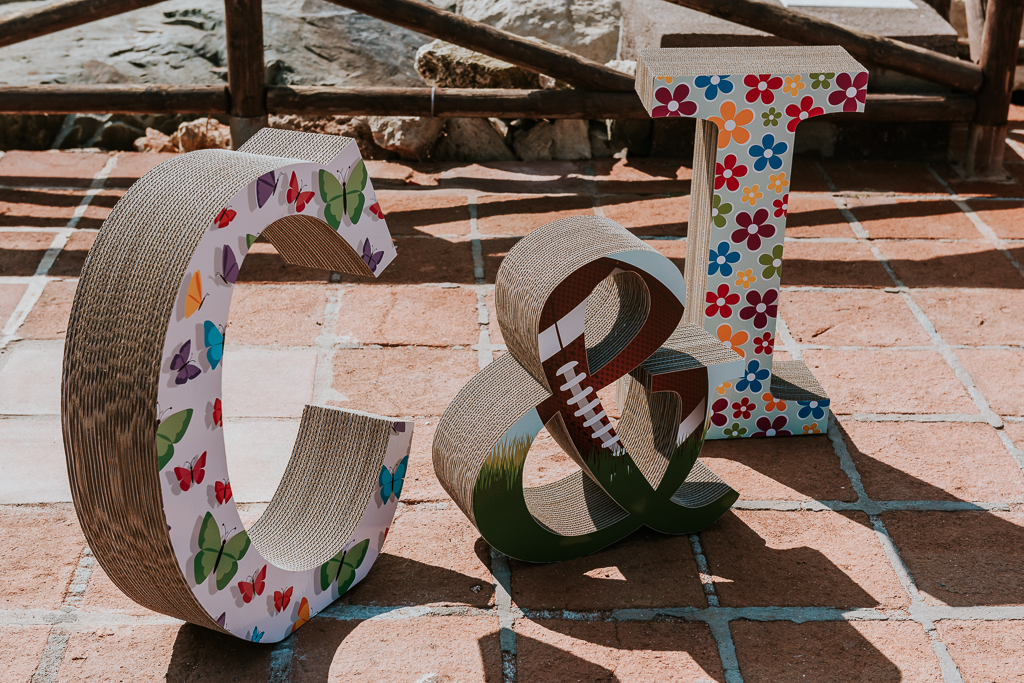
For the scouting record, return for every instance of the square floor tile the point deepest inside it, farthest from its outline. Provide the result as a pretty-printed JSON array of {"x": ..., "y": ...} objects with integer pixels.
[
  {"x": 267, "y": 382},
  {"x": 30, "y": 379},
  {"x": 40, "y": 549},
  {"x": 787, "y": 652},
  {"x": 985, "y": 650},
  {"x": 889, "y": 381},
  {"x": 962, "y": 558},
  {"x": 793, "y": 559},
  {"x": 851, "y": 318},
  {"x": 997, "y": 373}
]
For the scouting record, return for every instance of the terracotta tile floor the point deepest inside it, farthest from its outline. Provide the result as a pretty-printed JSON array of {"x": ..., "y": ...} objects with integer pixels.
[{"x": 888, "y": 549}]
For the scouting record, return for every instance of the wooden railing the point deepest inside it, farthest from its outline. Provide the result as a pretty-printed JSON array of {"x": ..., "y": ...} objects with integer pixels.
[{"x": 600, "y": 92}]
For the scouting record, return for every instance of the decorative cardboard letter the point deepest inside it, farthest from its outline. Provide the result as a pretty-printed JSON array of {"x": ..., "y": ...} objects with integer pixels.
[
  {"x": 142, "y": 407},
  {"x": 749, "y": 102},
  {"x": 582, "y": 303}
]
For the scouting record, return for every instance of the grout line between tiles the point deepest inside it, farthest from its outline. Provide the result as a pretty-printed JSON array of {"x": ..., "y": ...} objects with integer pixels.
[
  {"x": 38, "y": 281},
  {"x": 48, "y": 669}
]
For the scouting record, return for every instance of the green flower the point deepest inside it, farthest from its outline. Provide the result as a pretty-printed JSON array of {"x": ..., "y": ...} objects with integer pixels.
[
  {"x": 823, "y": 81},
  {"x": 772, "y": 261},
  {"x": 719, "y": 211},
  {"x": 735, "y": 431},
  {"x": 771, "y": 117}
]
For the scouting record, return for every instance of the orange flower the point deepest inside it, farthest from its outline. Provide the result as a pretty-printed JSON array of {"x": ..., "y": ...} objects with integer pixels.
[
  {"x": 666, "y": 79},
  {"x": 771, "y": 403},
  {"x": 733, "y": 341},
  {"x": 793, "y": 85},
  {"x": 723, "y": 387},
  {"x": 730, "y": 124},
  {"x": 812, "y": 428}
]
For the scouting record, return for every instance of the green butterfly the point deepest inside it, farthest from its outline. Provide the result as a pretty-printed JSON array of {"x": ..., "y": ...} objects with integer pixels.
[
  {"x": 168, "y": 433},
  {"x": 218, "y": 555},
  {"x": 344, "y": 198},
  {"x": 250, "y": 239},
  {"x": 342, "y": 567}
]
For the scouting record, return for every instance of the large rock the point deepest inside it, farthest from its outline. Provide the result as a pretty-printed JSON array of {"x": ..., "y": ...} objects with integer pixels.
[
  {"x": 565, "y": 139},
  {"x": 587, "y": 27},
  {"x": 409, "y": 136},
  {"x": 356, "y": 128},
  {"x": 472, "y": 140},
  {"x": 445, "y": 65}
]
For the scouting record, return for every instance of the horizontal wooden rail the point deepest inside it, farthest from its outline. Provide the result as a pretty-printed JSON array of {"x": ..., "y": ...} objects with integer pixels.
[
  {"x": 114, "y": 99},
  {"x": 440, "y": 102},
  {"x": 532, "y": 54},
  {"x": 801, "y": 28},
  {"x": 40, "y": 21}
]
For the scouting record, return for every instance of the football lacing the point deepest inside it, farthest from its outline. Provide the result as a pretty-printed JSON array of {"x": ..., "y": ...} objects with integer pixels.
[{"x": 579, "y": 395}]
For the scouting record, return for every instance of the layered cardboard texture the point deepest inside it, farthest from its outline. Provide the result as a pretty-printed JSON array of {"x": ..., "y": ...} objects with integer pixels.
[
  {"x": 141, "y": 394},
  {"x": 582, "y": 304}
]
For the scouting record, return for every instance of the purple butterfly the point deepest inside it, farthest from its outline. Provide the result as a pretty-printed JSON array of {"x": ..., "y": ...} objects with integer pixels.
[
  {"x": 222, "y": 619},
  {"x": 370, "y": 257},
  {"x": 266, "y": 186},
  {"x": 399, "y": 427},
  {"x": 229, "y": 266},
  {"x": 182, "y": 362}
]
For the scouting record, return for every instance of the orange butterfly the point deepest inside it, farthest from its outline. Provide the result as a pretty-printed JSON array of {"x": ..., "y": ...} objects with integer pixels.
[
  {"x": 303, "y": 615},
  {"x": 297, "y": 196},
  {"x": 194, "y": 300}
]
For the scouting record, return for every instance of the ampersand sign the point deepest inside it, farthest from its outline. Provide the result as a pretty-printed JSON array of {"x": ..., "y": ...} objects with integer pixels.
[
  {"x": 582, "y": 303},
  {"x": 142, "y": 408}
]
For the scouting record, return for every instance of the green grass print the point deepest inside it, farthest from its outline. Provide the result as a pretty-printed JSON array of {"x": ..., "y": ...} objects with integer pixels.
[{"x": 503, "y": 468}]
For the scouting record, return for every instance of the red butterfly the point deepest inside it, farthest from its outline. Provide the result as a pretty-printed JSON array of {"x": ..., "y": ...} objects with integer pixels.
[
  {"x": 296, "y": 196},
  {"x": 281, "y": 600},
  {"x": 376, "y": 210},
  {"x": 253, "y": 586},
  {"x": 223, "y": 491},
  {"x": 225, "y": 216},
  {"x": 193, "y": 474},
  {"x": 218, "y": 413}
]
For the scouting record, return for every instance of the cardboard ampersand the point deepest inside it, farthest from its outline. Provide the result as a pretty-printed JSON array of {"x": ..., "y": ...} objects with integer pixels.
[
  {"x": 582, "y": 303},
  {"x": 142, "y": 409}
]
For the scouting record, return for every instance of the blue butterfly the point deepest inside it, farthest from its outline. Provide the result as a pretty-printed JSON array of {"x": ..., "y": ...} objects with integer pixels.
[
  {"x": 214, "y": 340},
  {"x": 392, "y": 481},
  {"x": 257, "y": 635}
]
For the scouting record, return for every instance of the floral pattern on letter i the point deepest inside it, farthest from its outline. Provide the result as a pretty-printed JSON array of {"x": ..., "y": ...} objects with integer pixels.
[{"x": 756, "y": 112}]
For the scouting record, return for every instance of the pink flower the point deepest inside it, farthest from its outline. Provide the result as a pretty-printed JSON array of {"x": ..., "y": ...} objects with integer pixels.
[
  {"x": 805, "y": 111},
  {"x": 721, "y": 301},
  {"x": 769, "y": 427},
  {"x": 761, "y": 87},
  {"x": 850, "y": 91},
  {"x": 761, "y": 307},
  {"x": 764, "y": 344},
  {"x": 751, "y": 230},
  {"x": 728, "y": 173},
  {"x": 781, "y": 206},
  {"x": 673, "y": 102},
  {"x": 718, "y": 416},
  {"x": 742, "y": 408}
]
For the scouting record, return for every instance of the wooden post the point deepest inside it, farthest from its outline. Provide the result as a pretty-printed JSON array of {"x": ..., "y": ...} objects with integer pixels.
[
  {"x": 986, "y": 140},
  {"x": 243, "y": 21}
]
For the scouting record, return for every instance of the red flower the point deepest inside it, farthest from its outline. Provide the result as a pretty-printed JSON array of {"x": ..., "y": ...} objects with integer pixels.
[
  {"x": 728, "y": 173},
  {"x": 805, "y": 111},
  {"x": 764, "y": 344},
  {"x": 781, "y": 206},
  {"x": 742, "y": 408},
  {"x": 762, "y": 87},
  {"x": 721, "y": 301},
  {"x": 718, "y": 416},
  {"x": 850, "y": 92},
  {"x": 752, "y": 229},
  {"x": 771, "y": 427},
  {"x": 673, "y": 102},
  {"x": 761, "y": 307}
]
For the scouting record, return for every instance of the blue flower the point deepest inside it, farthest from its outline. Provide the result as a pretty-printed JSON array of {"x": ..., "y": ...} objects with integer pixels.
[
  {"x": 752, "y": 377},
  {"x": 713, "y": 85},
  {"x": 814, "y": 408},
  {"x": 768, "y": 153},
  {"x": 722, "y": 260}
]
